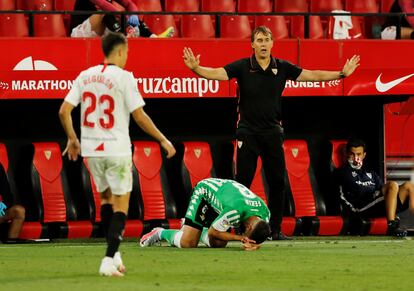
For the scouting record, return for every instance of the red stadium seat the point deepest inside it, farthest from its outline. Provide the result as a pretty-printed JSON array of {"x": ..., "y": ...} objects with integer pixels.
[
  {"x": 297, "y": 27},
  {"x": 197, "y": 164},
  {"x": 34, "y": 4},
  {"x": 309, "y": 204},
  {"x": 148, "y": 5},
  {"x": 218, "y": 6},
  {"x": 254, "y": 6},
  {"x": 235, "y": 26},
  {"x": 276, "y": 23},
  {"x": 325, "y": 5},
  {"x": 30, "y": 229},
  {"x": 50, "y": 186},
  {"x": 159, "y": 23},
  {"x": 292, "y": 6},
  {"x": 197, "y": 26},
  {"x": 13, "y": 25},
  {"x": 182, "y": 5},
  {"x": 66, "y": 5},
  {"x": 358, "y": 6},
  {"x": 7, "y": 5},
  {"x": 49, "y": 25},
  {"x": 386, "y": 5},
  {"x": 155, "y": 191}
]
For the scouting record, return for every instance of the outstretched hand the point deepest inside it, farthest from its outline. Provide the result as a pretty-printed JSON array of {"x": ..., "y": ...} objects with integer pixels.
[
  {"x": 73, "y": 149},
  {"x": 191, "y": 61},
  {"x": 351, "y": 65}
]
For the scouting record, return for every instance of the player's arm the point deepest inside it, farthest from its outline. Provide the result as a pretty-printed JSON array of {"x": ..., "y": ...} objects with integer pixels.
[
  {"x": 193, "y": 63},
  {"x": 147, "y": 125},
  {"x": 320, "y": 75},
  {"x": 73, "y": 145},
  {"x": 227, "y": 236}
]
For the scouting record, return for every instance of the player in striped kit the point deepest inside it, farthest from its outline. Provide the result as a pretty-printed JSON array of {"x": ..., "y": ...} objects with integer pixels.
[
  {"x": 216, "y": 205},
  {"x": 108, "y": 95}
]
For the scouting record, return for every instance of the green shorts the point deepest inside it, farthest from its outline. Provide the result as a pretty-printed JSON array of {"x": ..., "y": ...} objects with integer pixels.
[{"x": 199, "y": 213}]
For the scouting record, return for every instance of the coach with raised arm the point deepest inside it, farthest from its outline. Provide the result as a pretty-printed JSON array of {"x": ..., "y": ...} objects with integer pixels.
[{"x": 261, "y": 79}]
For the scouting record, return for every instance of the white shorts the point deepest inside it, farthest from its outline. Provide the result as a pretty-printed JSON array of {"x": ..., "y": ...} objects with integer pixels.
[
  {"x": 112, "y": 172},
  {"x": 85, "y": 30},
  {"x": 390, "y": 32}
]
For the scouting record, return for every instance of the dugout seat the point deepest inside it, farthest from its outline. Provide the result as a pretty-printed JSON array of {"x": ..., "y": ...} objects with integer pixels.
[
  {"x": 30, "y": 229},
  {"x": 51, "y": 191},
  {"x": 159, "y": 206},
  {"x": 290, "y": 225},
  {"x": 159, "y": 23},
  {"x": 13, "y": 25},
  {"x": 197, "y": 26},
  {"x": 148, "y": 5},
  {"x": 35, "y": 4},
  {"x": 308, "y": 203},
  {"x": 358, "y": 225},
  {"x": 297, "y": 27},
  {"x": 7, "y": 5},
  {"x": 197, "y": 164},
  {"x": 235, "y": 26},
  {"x": 218, "y": 6},
  {"x": 49, "y": 25},
  {"x": 291, "y": 6},
  {"x": 134, "y": 226},
  {"x": 276, "y": 23}
]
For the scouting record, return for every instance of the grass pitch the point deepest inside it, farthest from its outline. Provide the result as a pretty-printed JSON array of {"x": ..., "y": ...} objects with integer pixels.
[{"x": 306, "y": 263}]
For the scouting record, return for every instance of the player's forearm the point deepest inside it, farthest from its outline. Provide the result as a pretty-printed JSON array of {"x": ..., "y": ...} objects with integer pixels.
[
  {"x": 211, "y": 73},
  {"x": 147, "y": 125},
  {"x": 223, "y": 235},
  {"x": 66, "y": 121},
  {"x": 319, "y": 75}
]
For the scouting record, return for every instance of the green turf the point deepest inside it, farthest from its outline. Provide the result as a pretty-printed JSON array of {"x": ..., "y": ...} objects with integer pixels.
[{"x": 346, "y": 263}]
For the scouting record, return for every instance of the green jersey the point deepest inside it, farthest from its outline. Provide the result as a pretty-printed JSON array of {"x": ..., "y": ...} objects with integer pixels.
[{"x": 231, "y": 202}]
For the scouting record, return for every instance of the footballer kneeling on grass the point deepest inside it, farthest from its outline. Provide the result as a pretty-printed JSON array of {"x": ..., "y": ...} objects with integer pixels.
[{"x": 216, "y": 206}]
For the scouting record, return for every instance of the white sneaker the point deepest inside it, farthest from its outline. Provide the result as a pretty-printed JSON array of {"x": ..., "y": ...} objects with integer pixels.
[
  {"x": 118, "y": 263},
  {"x": 108, "y": 268},
  {"x": 151, "y": 238}
]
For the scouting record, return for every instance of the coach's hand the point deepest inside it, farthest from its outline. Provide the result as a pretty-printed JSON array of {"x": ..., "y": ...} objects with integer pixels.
[
  {"x": 351, "y": 65},
  {"x": 73, "y": 149},
  {"x": 190, "y": 60},
  {"x": 133, "y": 20}
]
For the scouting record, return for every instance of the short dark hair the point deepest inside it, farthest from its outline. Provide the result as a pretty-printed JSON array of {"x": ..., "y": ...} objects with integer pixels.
[
  {"x": 260, "y": 232},
  {"x": 355, "y": 143},
  {"x": 261, "y": 29},
  {"x": 111, "y": 40}
]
